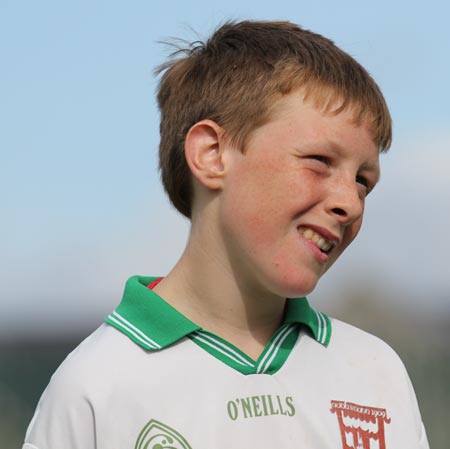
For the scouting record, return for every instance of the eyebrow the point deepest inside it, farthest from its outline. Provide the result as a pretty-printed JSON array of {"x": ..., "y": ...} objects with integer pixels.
[{"x": 370, "y": 166}]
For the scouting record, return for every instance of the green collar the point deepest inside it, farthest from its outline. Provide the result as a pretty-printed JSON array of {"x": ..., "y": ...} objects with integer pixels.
[{"x": 154, "y": 324}]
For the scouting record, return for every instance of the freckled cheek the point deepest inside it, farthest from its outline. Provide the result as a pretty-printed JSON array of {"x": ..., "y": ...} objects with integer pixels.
[
  {"x": 259, "y": 230},
  {"x": 255, "y": 226},
  {"x": 256, "y": 203},
  {"x": 255, "y": 200}
]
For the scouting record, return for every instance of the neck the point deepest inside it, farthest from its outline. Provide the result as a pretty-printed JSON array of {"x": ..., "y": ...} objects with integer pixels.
[{"x": 204, "y": 288}]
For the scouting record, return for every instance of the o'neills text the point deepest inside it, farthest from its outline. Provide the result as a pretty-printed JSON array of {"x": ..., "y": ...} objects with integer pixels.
[{"x": 262, "y": 405}]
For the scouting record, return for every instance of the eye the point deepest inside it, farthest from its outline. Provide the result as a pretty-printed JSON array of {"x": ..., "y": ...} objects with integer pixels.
[
  {"x": 362, "y": 180},
  {"x": 365, "y": 183},
  {"x": 323, "y": 159}
]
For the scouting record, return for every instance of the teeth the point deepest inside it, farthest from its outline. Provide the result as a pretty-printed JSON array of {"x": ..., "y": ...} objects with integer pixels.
[
  {"x": 307, "y": 233},
  {"x": 323, "y": 244}
]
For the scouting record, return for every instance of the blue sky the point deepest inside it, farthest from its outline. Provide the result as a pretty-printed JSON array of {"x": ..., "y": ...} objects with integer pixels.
[{"x": 82, "y": 208}]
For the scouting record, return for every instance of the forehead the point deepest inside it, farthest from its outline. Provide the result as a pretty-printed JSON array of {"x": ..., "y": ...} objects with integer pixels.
[
  {"x": 299, "y": 123},
  {"x": 329, "y": 100},
  {"x": 325, "y": 102},
  {"x": 299, "y": 110}
]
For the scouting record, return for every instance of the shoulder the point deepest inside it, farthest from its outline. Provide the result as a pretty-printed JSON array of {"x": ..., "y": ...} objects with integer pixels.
[
  {"x": 93, "y": 361},
  {"x": 85, "y": 378},
  {"x": 348, "y": 338},
  {"x": 86, "y": 375},
  {"x": 362, "y": 354},
  {"x": 81, "y": 370},
  {"x": 370, "y": 364}
]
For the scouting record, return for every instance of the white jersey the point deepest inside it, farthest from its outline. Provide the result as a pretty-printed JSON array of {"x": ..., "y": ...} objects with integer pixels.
[{"x": 152, "y": 379}]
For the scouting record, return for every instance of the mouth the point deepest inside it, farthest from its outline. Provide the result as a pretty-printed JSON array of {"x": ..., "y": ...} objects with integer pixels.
[{"x": 325, "y": 245}]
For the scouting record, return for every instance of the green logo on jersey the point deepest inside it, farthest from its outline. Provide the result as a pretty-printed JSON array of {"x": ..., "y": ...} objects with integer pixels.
[
  {"x": 157, "y": 435},
  {"x": 263, "y": 405}
]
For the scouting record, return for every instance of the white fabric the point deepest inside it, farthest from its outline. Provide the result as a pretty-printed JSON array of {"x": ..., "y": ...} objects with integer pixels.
[{"x": 109, "y": 388}]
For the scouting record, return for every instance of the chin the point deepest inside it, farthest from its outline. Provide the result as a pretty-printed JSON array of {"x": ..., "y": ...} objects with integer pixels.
[{"x": 295, "y": 286}]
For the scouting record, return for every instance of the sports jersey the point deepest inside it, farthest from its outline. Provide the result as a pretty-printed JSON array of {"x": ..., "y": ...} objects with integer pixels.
[{"x": 149, "y": 378}]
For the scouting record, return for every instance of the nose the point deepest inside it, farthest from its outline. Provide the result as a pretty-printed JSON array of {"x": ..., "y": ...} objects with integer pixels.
[{"x": 345, "y": 201}]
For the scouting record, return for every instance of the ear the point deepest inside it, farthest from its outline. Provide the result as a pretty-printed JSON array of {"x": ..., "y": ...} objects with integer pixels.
[{"x": 203, "y": 148}]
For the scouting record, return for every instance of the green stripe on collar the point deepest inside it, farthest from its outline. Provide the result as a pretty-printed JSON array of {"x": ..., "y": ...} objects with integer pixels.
[
  {"x": 146, "y": 318},
  {"x": 154, "y": 324},
  {"x": 298, "y": 310},
  {"x": 269, "y": 362}
]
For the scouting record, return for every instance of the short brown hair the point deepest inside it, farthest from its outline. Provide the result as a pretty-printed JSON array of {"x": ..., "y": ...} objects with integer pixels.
[{"x": 237, "y": 76}]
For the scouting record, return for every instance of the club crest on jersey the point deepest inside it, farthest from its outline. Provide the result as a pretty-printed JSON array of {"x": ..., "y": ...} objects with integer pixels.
[
  {"x": 157, "y": 435},
  {"x": 361, "y": 427}
]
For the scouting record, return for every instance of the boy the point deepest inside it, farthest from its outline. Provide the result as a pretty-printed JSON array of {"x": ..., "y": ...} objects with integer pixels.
[{"x": 270, "y": 139}]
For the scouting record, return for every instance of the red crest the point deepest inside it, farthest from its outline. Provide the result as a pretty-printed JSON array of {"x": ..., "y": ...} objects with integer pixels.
[{"x": 361, "y": 427}]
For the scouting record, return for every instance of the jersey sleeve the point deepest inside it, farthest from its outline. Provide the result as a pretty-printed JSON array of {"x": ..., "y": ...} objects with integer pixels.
[
  {"x": 420, "y": 428},
  {"x": 63, "y": 419}
]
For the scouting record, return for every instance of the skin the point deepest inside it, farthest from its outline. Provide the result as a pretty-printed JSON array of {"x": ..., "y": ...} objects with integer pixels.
[{"x": 246, "y": 252}]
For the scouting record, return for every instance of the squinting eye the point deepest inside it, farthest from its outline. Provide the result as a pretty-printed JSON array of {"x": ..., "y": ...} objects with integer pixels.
[
  {"x": 319, "y": 158},
  {"x": 362, "y": 180}
]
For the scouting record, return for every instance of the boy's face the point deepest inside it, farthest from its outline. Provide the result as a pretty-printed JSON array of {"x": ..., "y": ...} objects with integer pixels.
[{"x": 294, "y": 200}]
